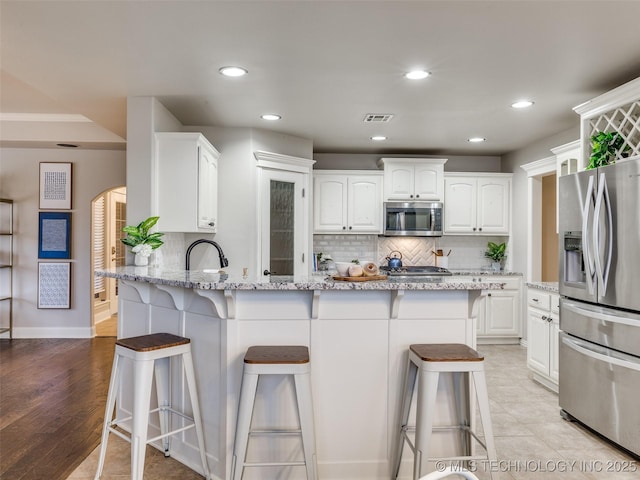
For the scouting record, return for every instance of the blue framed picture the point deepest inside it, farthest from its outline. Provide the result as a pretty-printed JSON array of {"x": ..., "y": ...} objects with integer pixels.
[{"x": 54, "y": 235}]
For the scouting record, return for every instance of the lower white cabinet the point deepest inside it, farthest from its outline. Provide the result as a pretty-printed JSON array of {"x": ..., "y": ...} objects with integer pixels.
[
  {"x": 499, "y": 315},
  {"x": 347, "y": 202},
  {"x": 542, "y": 328}
]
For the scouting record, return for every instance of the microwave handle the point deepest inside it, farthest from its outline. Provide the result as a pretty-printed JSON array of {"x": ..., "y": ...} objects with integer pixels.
[{"x": 400, "y": 220}]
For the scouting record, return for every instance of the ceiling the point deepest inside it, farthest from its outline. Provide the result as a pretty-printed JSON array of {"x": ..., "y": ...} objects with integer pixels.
[{"x": 322, "y": 65}]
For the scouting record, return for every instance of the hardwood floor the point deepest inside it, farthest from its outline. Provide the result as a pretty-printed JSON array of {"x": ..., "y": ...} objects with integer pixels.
[{"x": 52, "y": 399}]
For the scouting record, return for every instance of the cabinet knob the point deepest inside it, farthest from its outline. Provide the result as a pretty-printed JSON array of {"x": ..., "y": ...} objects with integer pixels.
[
  {"x": 534, "y": 299},
  {"x": 212, "y": 224},
  {"x": 410, "y": 196},
  {"x": 474, "y": 229},
  {"x": 417, "y": 196},
  {"x": 350, "y": 227},
  {"x": 344, "y": 228},
  {"x": 488, "y": 294},
  {"x": 266, "y": 272},
  {"x": 545, "y": 318},
  {"x": 480, "y": 229}
]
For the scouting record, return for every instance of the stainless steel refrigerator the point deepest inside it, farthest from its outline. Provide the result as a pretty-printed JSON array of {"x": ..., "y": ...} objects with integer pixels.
[{"x": 599, "y": 236}]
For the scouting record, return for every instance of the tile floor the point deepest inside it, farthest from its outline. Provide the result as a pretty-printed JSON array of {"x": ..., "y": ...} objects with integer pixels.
[{"x": 532, "y": 441}]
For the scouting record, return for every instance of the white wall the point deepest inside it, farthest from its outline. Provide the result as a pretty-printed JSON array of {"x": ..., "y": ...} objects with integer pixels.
[
  {"x": 519, "y": 198},
  {"x": 93, "y": 172}
]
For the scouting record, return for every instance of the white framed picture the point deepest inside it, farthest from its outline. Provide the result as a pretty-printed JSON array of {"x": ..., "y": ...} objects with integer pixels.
[
  {"x": 54, "y": 284},
  {"x": 55, "y": 186}
]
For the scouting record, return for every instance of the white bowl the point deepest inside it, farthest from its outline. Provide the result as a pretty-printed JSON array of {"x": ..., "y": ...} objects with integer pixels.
[{"x": 343, "y": 268}]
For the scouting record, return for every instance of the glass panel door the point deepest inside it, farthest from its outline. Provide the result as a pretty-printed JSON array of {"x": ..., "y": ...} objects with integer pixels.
[{"x": 281, "y": 217}]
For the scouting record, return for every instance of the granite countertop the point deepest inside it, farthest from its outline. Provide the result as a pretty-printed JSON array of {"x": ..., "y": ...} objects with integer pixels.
[
  {"x": 483, "y": 272},
  {"x": 547, "y": 286},
  {"x": 214, "y": 281}
]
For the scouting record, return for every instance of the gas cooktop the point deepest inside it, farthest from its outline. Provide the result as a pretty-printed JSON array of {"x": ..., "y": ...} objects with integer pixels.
[{"x": 415, "y": 271}]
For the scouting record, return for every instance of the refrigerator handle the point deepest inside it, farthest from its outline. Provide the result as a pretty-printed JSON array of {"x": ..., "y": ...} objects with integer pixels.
[
  {"x": 588, "y": 259},
  {"x": 601, "y": 354},
  {"x": 603, "y": 196}
]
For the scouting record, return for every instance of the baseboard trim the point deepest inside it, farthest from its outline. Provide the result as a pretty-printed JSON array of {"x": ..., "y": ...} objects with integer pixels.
[{"x": 54, "y": 332}]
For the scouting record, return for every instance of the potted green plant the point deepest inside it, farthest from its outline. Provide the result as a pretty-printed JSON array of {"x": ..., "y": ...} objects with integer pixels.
[
  {"x": 604, "y": 148},
  {"x": 141, "y": 241},
  {"x": 496, "y": 252}
]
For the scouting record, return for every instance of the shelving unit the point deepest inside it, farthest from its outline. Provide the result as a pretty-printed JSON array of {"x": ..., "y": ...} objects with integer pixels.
[{"x": 6, "y": 266}]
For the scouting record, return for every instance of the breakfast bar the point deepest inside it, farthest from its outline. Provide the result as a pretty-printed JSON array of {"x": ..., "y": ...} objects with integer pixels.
[{"x": 358, "y": 334}]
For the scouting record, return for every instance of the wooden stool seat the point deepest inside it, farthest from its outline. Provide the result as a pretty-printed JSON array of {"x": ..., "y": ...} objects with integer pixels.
[
  {"x": 290, "y": 360},
  {"x": 154, "y": 341},
  {"x": 277, "y": 354},
  {"x": 445, "y": 352},
  {"x": 150, "y": 356}
]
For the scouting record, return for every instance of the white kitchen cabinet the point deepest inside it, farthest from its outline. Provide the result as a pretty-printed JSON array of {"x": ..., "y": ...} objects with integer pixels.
[
  {"x": 413, "y": 178},
  {"x": 186, "y": 190},
  {"x": 347, "y": 202},
  {"x": 543, "y": 329},
  {"x": 499, "y": 313},
  {"x": 477, "y": 203}
]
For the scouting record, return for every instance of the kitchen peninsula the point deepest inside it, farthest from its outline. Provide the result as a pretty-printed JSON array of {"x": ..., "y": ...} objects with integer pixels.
[{"x": 357, "y": 333}]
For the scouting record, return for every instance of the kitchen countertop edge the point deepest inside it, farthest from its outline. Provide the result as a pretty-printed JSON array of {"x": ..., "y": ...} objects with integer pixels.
[
  {"x": 546, "y": 286},
  {"x": 206, "y": 281}
]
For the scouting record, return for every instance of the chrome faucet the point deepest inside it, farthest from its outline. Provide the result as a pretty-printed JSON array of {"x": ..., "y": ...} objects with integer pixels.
[{"x": 223, "y": 260}]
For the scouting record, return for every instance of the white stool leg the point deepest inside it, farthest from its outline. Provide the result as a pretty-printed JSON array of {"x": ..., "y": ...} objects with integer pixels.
[
  {"x": 485, "y": 414},
  {"x": 108, "y": 412},
  {"x": 463, "y": 408},
  {"x": 142, "y": 380},
  {"x": 305, "y": 411},
  {"x": 407, "y": 394},
  {"x": 427, "y": 390},
  {"x": 162, "y": 372},
  {"x": 187, "y": 362},
  {"x": 245, "y": 414}
]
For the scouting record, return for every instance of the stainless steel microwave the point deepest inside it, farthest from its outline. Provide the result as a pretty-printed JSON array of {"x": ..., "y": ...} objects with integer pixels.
[{"x": 413, "y": 219}]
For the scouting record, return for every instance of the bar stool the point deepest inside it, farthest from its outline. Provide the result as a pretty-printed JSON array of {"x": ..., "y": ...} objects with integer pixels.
[
  {"x": 431, "y": 360},
  {"x": 275, "y": 360},
  {"x": 149, "y": 353}
]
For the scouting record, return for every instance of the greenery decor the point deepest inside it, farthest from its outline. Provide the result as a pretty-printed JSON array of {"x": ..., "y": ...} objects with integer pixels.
[
  {"x": 139, "y": 235},
  {"x": 495, "y": 251},
  {"x": 604, "y": 147}
]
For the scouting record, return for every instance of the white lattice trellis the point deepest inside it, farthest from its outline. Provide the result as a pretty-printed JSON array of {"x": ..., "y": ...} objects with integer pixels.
[{"x": 624, "y": 120}]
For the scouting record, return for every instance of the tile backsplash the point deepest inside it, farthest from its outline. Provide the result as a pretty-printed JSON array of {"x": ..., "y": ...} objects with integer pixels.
[{"x": 467, "y": 252}]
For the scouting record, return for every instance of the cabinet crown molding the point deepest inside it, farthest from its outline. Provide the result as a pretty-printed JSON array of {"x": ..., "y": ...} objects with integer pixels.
[
  {"x": 626, "y": 93},
  {"x": 478, "y": 174},
  {"x": 387, "y": 160}
]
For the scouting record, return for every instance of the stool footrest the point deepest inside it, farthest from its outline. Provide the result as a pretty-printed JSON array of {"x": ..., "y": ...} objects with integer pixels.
[
  {"x": 276, "y": 432},
  {"x": 275, "y": 464}
]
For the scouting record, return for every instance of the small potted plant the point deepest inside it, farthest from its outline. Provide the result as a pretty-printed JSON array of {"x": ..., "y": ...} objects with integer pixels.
[
  {"x": 604, "y": 148},
  {"x": 141, "y": 241},
  {"x": 496, "y": 252}
]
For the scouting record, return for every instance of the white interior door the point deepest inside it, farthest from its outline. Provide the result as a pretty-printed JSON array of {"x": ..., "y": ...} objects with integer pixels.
[
  {"x": 283, "y": 224},
  {"x": 117, "y": 218}
]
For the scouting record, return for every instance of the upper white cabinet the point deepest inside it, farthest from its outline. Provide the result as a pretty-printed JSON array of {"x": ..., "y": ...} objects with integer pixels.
[
  {"x": 477, "y": 203},
  {"x": 186, "y": 189},
  {"x": 413, "y": 178},
  {"x": 347, "y": 201}
]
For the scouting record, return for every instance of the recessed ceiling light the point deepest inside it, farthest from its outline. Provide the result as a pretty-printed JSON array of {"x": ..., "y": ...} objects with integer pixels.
[
  {"x": 270, "y": 116},
  {"x": 477, "y": 139},
  {"x": 522, "y": 104},
  {"x": 233, "y": 71},
  {"x": 417, "y": 74},
  {"x": 378, "y": 138}
]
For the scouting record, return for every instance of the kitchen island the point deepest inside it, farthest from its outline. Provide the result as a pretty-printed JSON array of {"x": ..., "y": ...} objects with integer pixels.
[{"x": 357, "y": 332}]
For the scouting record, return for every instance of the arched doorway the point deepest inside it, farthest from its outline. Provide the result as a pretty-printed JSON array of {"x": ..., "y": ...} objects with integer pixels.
[{"x": 108, "y": 217}]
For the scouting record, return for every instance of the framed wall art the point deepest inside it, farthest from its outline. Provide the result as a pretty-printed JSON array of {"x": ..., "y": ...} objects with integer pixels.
[
  {"x": 54, "y": 235},
  {"x": 55, "y": 186},
  {"x": 54, "y": 284}
]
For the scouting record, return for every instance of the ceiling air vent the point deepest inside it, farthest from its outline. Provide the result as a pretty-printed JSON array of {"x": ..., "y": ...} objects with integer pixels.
[{"x": 378, "y": 117}]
